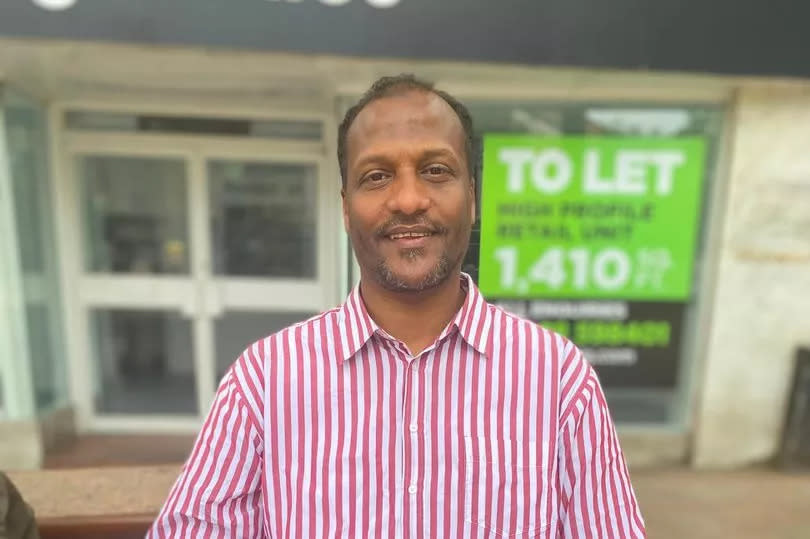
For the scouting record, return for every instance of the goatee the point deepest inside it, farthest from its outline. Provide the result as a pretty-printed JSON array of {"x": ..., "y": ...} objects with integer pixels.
[{"x": 436, "y": 276}]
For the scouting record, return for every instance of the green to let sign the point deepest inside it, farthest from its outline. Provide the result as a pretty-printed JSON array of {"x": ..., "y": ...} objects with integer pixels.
[{"x": 589, "y": 217}]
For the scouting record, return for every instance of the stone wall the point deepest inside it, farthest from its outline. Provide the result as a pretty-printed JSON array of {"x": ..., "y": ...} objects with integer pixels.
[{"x": 761, "y": 302}]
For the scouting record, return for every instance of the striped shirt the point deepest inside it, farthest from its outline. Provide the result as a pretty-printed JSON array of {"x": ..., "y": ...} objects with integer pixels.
[{"x": 331, "y": 428}]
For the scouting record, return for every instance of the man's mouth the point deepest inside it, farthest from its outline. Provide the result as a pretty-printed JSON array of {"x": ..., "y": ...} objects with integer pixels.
[
  {"x": 410, "y": 236},
  {"x": 404, "y": 235}
]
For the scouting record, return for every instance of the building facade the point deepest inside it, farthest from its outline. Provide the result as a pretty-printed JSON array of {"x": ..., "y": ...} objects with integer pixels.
[{"x": 169, "y": 193}]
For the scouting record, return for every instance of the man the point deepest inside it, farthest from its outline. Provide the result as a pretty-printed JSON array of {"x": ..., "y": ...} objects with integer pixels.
[{"x": 416, "y": 409}]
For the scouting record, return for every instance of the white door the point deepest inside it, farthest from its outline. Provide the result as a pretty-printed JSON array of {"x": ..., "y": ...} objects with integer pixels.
[{"x": 186, "y": 249}]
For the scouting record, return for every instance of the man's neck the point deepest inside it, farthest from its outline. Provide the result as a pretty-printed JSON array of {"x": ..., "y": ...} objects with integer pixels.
[{"x": 415, "y": 318}]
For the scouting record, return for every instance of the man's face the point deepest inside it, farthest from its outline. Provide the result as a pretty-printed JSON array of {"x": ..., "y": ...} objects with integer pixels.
[{"x": 408, "y": 203}]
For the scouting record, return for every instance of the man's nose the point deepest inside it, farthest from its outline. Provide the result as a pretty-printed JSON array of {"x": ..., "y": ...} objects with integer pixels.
[{"x": 409, "y": 195}]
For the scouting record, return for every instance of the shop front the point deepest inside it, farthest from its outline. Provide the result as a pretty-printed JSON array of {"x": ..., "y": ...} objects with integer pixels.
[{"x": 171, "y": 194}]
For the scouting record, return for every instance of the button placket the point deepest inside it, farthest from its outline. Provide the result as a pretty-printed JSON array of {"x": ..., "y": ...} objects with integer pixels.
[{"x": 402, "y": 486}]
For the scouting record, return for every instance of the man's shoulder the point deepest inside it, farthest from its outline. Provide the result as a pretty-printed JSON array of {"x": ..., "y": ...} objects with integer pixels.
[
  {"x": 247, "y": 374},
  {"x": 513, "y": 324},
  {"x": 541, "y": 343},
  {"x": 320, "y": 323},
  {"x": 295, "y": 334}
]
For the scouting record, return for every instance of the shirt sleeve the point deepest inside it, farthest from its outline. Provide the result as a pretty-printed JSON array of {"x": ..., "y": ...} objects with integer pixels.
[
  {"x": 219, "y": 491},
  {"x": 596, "y": 497}
]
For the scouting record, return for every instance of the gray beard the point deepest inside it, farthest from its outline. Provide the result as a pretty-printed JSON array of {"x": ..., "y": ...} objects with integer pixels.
[{"x": 436, "y": 276}]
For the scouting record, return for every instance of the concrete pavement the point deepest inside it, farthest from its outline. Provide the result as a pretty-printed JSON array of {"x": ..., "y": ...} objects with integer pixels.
[{"x": 751, "y": 504}]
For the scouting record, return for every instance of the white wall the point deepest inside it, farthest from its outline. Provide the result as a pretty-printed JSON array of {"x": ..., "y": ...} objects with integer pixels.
[{"x": 762, "y": 295}]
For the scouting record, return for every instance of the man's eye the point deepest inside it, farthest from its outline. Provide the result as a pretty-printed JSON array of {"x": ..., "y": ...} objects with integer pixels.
[
  {"x": 375, "y": 177},
  {"x": 436, "y": 170}
]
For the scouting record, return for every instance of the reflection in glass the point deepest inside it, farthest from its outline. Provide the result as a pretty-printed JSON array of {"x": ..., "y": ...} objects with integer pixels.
[
  {"x": 643, "y": 122},
  {"x": 136, "y": 214},
  {"x": 44, "y": 370},
  {"x": 641, "y": 406},
  {"x": 26, "y": 136},
  {"x": 517, "y": 117},
  {"x": 263, "y": 219},
  {"x": 237, "y": 330},
  {"x": 143, "y": 362}
]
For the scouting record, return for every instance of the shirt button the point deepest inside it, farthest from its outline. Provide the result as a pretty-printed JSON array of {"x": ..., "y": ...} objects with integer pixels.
[
  {"x": 412, "y": 489},
  {"x": 413, "y": 427}
]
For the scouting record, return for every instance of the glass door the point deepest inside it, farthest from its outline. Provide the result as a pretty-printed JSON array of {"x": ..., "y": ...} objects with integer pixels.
[
  {"x": 136, "y": 288},
  {"x": 189, "y": 249},
  {"x": 268, "y": 251}
]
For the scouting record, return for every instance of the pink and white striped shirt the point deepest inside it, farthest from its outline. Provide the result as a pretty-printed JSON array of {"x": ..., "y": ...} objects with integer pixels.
[{"x": 331, "y": 428}]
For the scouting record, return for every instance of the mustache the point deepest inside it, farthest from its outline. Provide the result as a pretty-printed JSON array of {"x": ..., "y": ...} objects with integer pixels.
[{"x": 385, "y": 228}]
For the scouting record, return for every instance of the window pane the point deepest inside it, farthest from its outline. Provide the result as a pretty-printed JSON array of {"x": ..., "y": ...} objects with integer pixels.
[
  {"x": 236, "y": 330},
  {"x": 136, "y": 215},
  {"x": 2, "y": 398},
  {"x": 518, "y": 117},
  {"x": 45, "y": 369},
  {"x": 635, "y": 391},
  {"x": 640, "y": 405},
  {"x": 26, "y": 131},
  {"x": 263, "y": 219},
  {"x": 143, "y": 362},
  {"x": 304, "y": 130},
  {"x": 28, "y": 180}
]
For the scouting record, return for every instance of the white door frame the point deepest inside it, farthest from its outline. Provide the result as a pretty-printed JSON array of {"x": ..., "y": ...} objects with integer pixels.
[{"x": 200, "y": 296}]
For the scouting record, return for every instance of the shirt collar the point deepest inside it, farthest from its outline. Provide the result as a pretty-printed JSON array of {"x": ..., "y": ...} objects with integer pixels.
[
  {"x": 472, "y": 320},
  {"x": 360, "y": 327}
]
